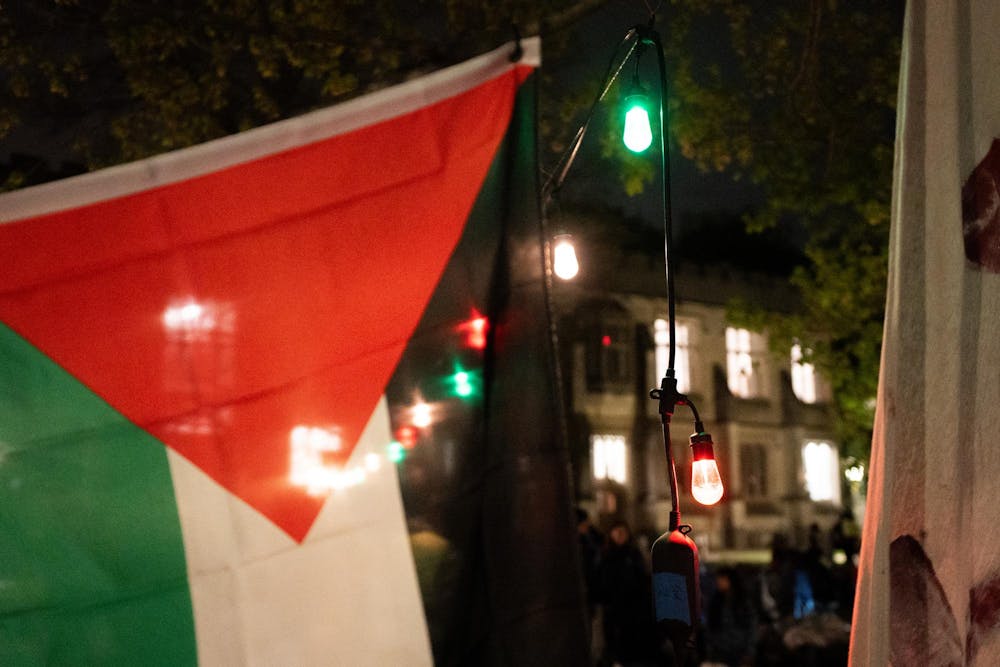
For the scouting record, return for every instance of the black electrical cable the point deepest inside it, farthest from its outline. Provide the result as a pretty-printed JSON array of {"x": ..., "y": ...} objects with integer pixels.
[
  {"x": 558, "y": 176},
  {"x": 636, "y": 38},
  {"x": 651, "y": 10},
  {"x": 654, "y": 37}
]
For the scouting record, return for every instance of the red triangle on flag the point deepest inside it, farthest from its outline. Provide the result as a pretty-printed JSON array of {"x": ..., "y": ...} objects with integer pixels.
[{"x": 222, "y": 312}]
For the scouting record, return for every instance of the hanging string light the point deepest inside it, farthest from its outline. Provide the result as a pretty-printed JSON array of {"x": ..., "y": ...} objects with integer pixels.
[{"x": 674, "y": 555}]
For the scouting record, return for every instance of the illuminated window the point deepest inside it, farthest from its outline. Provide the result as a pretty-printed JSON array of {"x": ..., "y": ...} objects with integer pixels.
[
  {"x": 803, "y": 377},
  {"x": 742, "y": 347},
  {"x": 682, "y": 353},
  {"x": 821, "y": 466},
  {"x": 609, "y": 457}
]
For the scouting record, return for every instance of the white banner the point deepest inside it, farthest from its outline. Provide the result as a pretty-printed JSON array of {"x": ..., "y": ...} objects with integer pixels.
[{"x": 930, "y": 564}]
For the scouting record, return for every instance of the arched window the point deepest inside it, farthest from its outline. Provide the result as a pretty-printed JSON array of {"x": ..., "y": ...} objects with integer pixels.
[
  {"x": 745, "y": 353},
  {"x": 803, "y": 377}
]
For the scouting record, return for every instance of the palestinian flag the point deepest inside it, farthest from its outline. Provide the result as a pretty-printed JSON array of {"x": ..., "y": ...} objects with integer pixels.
[
  {"x": 203, "y": 358},
  {"x": 929, "y": 581}
]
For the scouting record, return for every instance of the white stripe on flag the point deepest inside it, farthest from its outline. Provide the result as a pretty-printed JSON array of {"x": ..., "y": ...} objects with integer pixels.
[{"x": 347, "y": 595}]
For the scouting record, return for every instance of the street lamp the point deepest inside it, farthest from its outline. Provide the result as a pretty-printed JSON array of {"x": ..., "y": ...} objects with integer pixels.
[{"x": 676, "y": 591}]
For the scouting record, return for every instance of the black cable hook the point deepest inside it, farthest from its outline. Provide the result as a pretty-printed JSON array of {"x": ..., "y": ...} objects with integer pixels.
[{"x": 518, "y": 51}]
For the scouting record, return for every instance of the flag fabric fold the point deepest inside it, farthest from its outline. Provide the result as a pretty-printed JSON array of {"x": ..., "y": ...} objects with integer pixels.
[{"x": 930, "y": 559}]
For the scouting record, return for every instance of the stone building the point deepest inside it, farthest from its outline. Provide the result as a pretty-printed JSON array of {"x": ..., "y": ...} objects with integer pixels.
[{"x": 767, "y": 410}]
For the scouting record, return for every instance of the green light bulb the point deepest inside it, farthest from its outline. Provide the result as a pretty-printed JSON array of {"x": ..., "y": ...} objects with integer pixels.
[
  {"x": 463, "y": 384},
  {"x": 396, "y": 453},
  {"x": 638, "y": 134}
]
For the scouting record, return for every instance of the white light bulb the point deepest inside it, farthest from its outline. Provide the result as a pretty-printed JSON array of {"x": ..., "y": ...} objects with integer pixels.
[
  {"x": 706, "y": 483},
  {"x": 422, "y": 415},
  {"x": 564, "y": 261}
]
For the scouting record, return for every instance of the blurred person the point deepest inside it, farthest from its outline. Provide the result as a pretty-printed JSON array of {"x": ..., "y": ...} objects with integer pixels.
[
  {"x": 846, "y": 534},
  {"x": 804, "y": 599},
  {"x": 591, "y": 543},
  {"x": 815, "y": 562},
  {"x": 626, "y": 598},
  {"x": 816, "y": 549},
  {"x": 779, "y": 580},
  {"x": 730, "y": 632},
  {"x": 844, "y": 576}
]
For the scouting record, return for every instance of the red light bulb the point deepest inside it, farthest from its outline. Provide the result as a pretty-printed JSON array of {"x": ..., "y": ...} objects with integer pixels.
[
  {"x": 406, "y": 436},
  {"x": 706, "y": 483},
  {"x": 475, "y": 331}
]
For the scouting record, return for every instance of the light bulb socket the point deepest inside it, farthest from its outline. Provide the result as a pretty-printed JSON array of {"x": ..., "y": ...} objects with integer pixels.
[
  {"x": 702, "y": 447},
  {"x": 637, "y": 97}
]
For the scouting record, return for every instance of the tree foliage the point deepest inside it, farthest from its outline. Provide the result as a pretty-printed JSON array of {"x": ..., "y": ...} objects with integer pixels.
[
  {"x": 802, "y": 103},
  {"x": 136, "y": 79}
]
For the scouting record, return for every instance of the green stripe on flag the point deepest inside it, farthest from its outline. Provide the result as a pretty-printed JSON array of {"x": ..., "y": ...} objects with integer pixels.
[{"x": 92, "y": 568}]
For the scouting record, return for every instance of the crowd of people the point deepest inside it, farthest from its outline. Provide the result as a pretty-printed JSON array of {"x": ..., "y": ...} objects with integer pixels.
[{"x": 796, "y": 610}]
